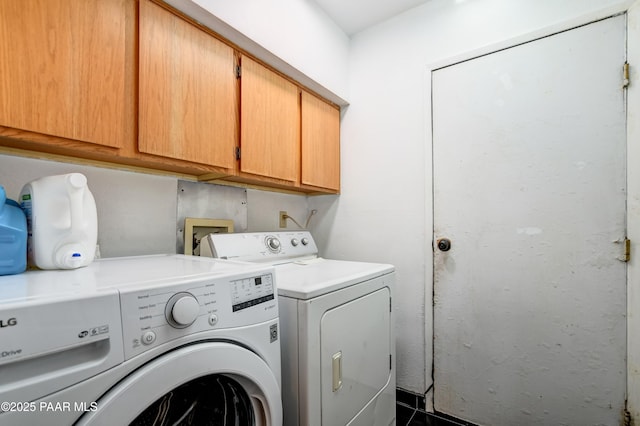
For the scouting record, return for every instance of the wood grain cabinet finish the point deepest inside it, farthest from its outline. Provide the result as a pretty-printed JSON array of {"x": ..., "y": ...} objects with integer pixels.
[
  {"x": 129, "y": 82},
  {"x": 62, "y": 69},
  {"x": 188, "y": 105},
  {"x": 270, "y": 124},
  {"x": 320, "y": 143}
]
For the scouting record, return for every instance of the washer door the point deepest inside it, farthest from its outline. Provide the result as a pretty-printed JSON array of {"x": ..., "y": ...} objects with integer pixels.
[{"x": 211, "y": 383}]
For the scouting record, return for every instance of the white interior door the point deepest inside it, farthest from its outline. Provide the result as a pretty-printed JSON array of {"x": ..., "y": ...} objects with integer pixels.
[{"x": 529, "y": 187}]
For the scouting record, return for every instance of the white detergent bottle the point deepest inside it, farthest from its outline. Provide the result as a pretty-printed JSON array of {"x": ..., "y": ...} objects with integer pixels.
[{"x": 62, "y": 222}]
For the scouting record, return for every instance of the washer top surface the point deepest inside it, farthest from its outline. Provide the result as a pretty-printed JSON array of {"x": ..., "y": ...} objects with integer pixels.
[
  {"x": 301, "y": 274},
  {"x": 109, "y": 273}
]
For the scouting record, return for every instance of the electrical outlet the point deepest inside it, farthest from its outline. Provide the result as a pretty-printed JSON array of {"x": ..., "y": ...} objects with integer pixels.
[{"x": 283, "y": 219}]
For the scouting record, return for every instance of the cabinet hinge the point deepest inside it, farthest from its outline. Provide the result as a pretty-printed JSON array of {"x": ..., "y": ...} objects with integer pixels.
[
  {"x": 237, "y": 153},
  {"x": 238, "y": 71},
  {"x": 625, "y": 75}
]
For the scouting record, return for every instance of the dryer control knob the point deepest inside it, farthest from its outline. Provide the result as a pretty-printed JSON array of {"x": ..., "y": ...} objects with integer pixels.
[
  {"x": 182, "y": 310},
  {"x": 273, "y": 244},
  {"x": 305, "y": 241},
  {"x": 294, "y": 242}
]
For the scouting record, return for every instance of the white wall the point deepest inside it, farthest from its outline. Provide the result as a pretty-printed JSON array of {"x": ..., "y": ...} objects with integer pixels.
[
  {"x": 294, "y": 36},
  {"x": 384, "y": 212},
  {"x": 264, "y": 214},
  {"x": 138, "y": 212}
]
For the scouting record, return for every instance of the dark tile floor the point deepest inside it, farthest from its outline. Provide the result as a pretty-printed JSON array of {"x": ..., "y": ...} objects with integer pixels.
[
  {"x": 406, "y": 416},
  {"x": 410, "y": 411}
]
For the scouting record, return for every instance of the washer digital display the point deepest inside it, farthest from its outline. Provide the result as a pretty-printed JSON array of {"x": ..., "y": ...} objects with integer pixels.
[{"x": 249, "y": 292}]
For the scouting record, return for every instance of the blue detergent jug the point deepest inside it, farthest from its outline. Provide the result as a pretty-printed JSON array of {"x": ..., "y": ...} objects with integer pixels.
[{"x": 13, "y": 236}]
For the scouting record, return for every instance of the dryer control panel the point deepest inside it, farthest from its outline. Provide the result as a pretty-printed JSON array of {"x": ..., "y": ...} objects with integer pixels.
[{"x": 268, "y": 247}]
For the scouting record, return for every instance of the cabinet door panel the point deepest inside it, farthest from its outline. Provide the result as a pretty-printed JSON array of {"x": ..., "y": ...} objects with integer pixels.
[
  {"x": 270, "y": 123},
  {"x": 62, "y": 64},
  {"x": 320, "y": 143},
  {"x": 188, "y": 91}
]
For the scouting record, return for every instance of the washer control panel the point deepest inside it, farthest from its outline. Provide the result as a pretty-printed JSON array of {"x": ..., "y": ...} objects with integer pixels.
[{"x": 157, "y": 315}]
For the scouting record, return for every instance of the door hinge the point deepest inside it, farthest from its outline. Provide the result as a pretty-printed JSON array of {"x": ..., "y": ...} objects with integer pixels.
[
  {"x": 238, "y": 71},
  {"x": 626, "y": 254},
  {"x": 627, "y": 415},
  {"x": 237, "y": 153},
  {"x": 390, "y": 362},
  {"x": 390, "y": 305},
  {"x": 625, "y": 75},
  {"x": 627, "y": 249}
]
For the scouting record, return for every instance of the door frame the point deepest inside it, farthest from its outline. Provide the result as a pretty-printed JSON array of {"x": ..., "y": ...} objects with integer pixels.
[{"x": 632, "y": 8}]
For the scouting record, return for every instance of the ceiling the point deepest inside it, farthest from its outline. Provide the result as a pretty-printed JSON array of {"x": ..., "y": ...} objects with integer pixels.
[{"x": 355, "y": 15}]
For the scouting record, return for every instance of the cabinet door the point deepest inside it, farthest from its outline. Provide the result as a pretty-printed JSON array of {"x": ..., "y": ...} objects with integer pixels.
[
  {"x": 320, "y": 143},
  {"x": 62, "y": 64},
  {"x": 188, "y": 91},
  {"x": 270, "y": 123}
]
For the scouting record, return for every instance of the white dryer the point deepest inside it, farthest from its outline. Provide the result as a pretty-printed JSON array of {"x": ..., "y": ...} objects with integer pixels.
[
  {"x": 141, "y": 340},
  {"x": 337, "y": 329}
]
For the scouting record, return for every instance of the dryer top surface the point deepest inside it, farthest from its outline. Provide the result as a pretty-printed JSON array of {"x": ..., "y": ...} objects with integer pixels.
[{"x": 309, "y": 278}]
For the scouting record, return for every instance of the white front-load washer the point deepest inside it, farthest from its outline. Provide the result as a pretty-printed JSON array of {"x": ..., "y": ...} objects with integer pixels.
[
  {"x": 337, "y": 329},
  {"x": 145, "y": 340}
]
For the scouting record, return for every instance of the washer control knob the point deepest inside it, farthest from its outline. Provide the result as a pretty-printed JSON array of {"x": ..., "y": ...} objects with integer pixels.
[
  {"x": 294, "y": 242},
  {"x": 182, "y": 310},
  {"x": 305, "y": 241},
  {"x": 273, "y": 244}
]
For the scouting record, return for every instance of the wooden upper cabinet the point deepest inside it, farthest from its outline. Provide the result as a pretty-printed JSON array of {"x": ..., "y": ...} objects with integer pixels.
[
  {"x": 62, "y": 68},
  {"x": 130, "y": 82},
  {"x": 270, "y": 123},
  {"x": 320, "y": 143},
  {"x": 188, "y": 102}
]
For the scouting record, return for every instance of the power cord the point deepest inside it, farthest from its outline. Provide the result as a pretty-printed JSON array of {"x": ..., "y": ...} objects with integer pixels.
[{"x": 306, "y": 225}]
